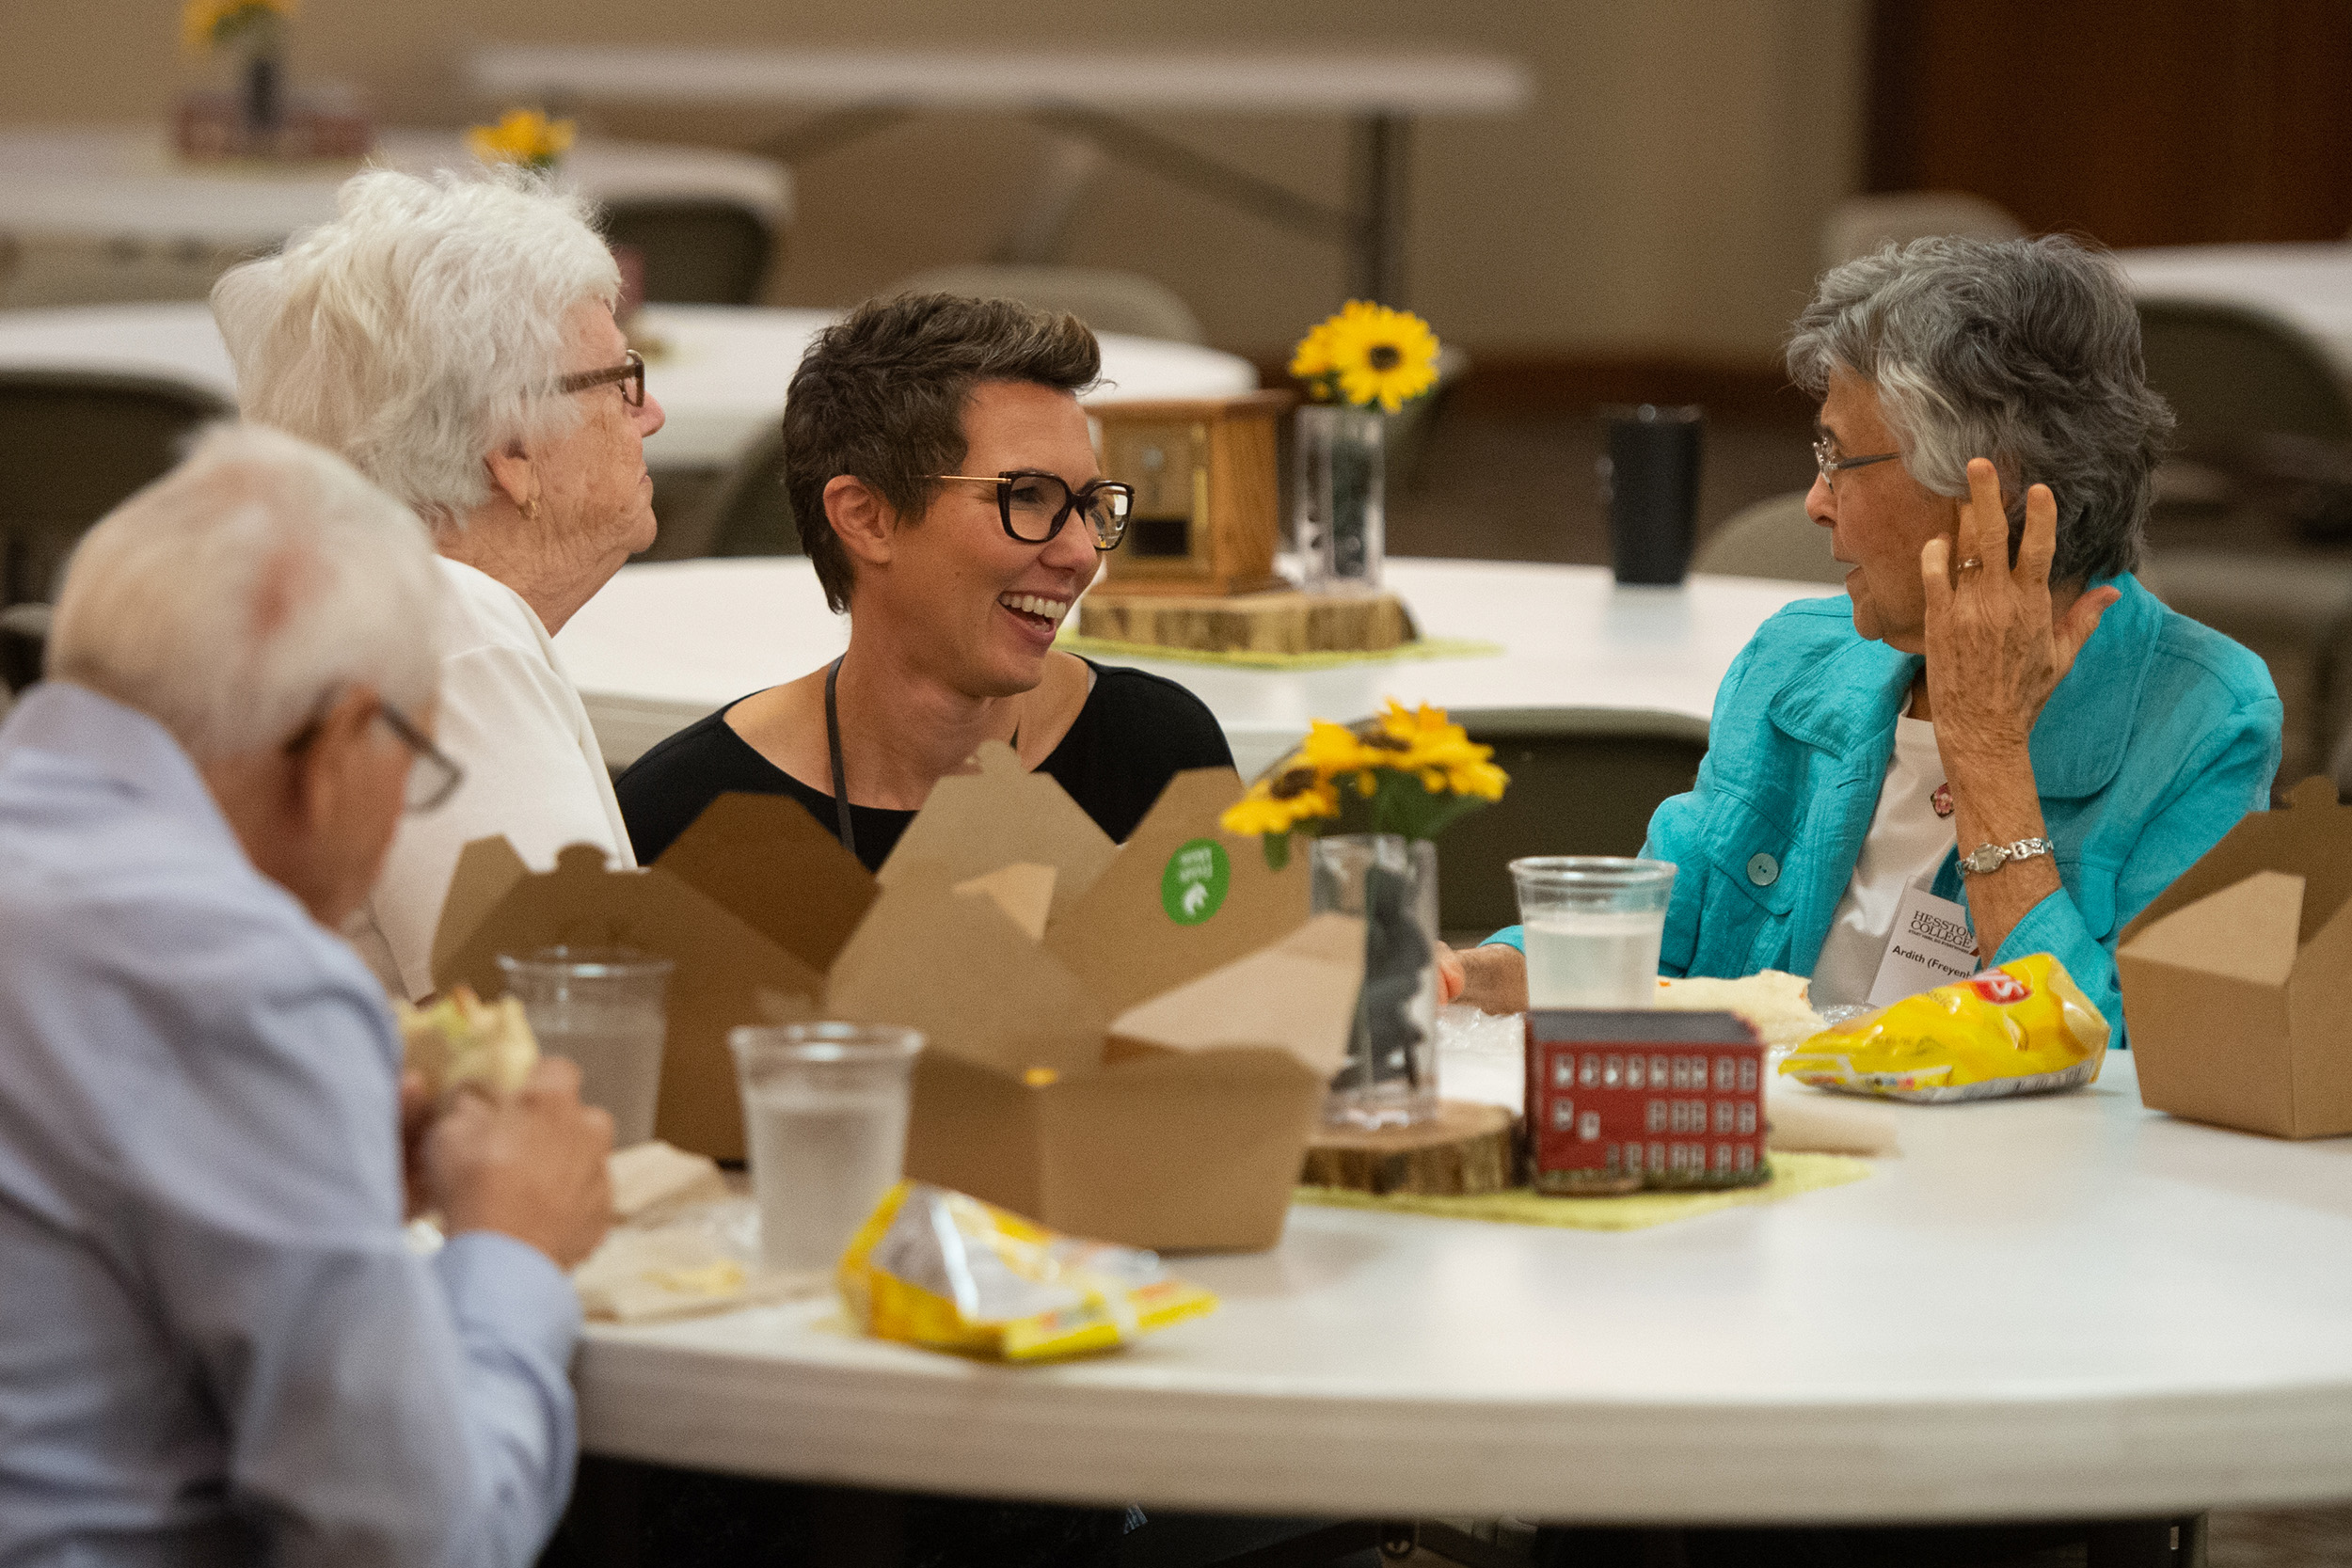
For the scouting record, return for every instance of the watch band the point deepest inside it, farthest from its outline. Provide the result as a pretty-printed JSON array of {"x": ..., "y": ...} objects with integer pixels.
[{"x": 1985, "y": 859}]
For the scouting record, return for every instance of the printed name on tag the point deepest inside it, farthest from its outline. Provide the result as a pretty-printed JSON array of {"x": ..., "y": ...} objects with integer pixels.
[{"x": 1930, "y": 945}]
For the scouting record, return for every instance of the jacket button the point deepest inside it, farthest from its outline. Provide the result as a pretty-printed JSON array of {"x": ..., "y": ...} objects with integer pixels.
[{"x": 1763, "y": 870}]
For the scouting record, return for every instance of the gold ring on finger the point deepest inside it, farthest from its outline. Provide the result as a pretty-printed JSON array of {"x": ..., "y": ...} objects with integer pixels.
[{"x": 1972, "y": 564}]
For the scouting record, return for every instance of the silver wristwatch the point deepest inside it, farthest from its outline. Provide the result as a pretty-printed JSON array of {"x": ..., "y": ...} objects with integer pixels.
[{"x": 1986, "y": 858}]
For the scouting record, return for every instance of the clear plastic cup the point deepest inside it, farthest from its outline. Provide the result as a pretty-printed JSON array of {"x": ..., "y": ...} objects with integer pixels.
[
  {"x": 825, "y": 1118},
  {"x": 1592, "y": 925},
  {"x": 602, "y": 1009}
]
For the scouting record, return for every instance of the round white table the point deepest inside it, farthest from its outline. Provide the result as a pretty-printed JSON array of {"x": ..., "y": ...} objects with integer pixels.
[
  {"x": 2309, "y": 285},
  {"x": 2058, "y": 1307},
  {"x": 125, "y": 181},
  {"x": 721, "y": 380},
  {"x": 664, "y": 644}
]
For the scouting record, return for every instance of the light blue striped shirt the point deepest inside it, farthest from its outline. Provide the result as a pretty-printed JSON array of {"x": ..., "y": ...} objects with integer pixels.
[{"x": 215, "y": 1346}]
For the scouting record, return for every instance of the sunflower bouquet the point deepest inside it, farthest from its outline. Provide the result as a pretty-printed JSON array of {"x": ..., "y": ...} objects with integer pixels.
[
  {"x": 1367, "y": 355},
  {"x": 525, "y": 136},
  {"x": 1409, "y": 771}
]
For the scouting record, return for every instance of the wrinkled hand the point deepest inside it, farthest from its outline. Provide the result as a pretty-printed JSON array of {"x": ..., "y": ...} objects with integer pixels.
[
  {"x": 531, "y": 1166},
  {"x": 1994, "y": 654}
]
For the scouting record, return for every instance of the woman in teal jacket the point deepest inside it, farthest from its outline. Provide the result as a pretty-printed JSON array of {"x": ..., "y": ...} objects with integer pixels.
[{"x": 1996, "y": 713}]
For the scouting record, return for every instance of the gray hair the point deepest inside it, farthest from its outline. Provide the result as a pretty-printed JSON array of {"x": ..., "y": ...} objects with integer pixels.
[
  {"x": 421, "y": 330},
  {"x": 2025, "y": 352},
  {"x": 229, "y": 599}
]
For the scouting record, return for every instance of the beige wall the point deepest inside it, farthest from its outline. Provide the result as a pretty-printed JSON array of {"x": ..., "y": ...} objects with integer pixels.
[{"x": 1661, "y": 195}]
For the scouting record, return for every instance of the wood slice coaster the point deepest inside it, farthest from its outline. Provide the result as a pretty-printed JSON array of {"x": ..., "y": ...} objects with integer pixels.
[
  {"x": 1469, "y": 1150},
  {"x": 1280, "y": 622}
]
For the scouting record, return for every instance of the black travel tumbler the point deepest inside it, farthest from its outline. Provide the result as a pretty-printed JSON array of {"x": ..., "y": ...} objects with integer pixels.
[{"x": 1650, "y": 479}]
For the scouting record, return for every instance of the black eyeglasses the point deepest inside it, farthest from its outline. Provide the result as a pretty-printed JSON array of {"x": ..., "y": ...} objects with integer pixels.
[
  {"x": 1035, "y": 505},
  {"x": 630, "y": 373},
  {"x": 1830, "y": 464},
  {"x": 433, "y": 778}
]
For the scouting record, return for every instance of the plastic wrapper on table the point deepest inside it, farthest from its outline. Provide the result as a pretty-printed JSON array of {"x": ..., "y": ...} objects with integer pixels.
[
  {"x": 942, "y": 1270},
  {"x": 2024, "y": 1028}
]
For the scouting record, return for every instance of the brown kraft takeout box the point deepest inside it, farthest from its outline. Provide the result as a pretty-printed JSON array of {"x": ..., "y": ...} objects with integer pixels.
[
  {"x": 2237, "y": 980},
  {"x": 1128, "y": 1043}
]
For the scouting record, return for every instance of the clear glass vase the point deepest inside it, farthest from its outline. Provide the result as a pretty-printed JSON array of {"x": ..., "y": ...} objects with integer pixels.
[
  {"x": 1340, "y": 508},
  {"x": 1390, "y": 1077}
]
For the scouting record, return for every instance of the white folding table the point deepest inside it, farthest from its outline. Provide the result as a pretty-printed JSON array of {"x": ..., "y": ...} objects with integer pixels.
[
  {"x": 2309, "y": 284},
  {"x": 664, "y": 644},
  {"x": 1084, "y": 95},
  {"x": 97, "y": 212},
  {"x": 2051, "y": 1308},
  {"x": 720, "y": 376}
]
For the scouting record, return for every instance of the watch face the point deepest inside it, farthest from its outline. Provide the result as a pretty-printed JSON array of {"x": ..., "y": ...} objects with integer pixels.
[{"x": 1984, "y": 857}]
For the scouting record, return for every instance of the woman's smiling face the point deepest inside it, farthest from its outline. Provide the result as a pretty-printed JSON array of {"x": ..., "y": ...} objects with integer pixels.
[
  {"x": 988, "y": 604},
  {"x": 1878, "y": 517}
]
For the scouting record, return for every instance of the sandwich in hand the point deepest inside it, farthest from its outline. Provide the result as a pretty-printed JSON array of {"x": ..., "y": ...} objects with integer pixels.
[{"x": 462, "y": 1041}]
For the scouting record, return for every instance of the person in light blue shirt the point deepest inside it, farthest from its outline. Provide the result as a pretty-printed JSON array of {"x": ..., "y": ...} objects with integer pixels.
[
  {"x": 215, "y": 1346},
  {"x": 1997, "y": 715}
]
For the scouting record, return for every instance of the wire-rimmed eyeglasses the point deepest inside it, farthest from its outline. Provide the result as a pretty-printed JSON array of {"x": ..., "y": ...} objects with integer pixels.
[
  {"x": 433, "y": 777},
  {"x": 1035, "y": 505},
  {"x": 1825, "y": 455},
  {"x": 630, "y": 373}
]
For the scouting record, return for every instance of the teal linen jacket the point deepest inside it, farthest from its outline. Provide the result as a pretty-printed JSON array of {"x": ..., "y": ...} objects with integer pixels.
[{"x": 2159, "y": 740}]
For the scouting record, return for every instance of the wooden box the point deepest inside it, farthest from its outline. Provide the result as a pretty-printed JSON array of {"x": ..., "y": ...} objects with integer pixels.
[{"x": 1208, "y": 508}]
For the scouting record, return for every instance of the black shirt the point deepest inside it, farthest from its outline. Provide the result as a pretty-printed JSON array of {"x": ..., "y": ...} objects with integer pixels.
[{"x": 1136, "y": 732}]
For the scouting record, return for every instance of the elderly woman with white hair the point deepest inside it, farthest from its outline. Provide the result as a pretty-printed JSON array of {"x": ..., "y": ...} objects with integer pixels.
[
  {"x": 1996, "y": 725},
  {"x": 454, "y": 341}
]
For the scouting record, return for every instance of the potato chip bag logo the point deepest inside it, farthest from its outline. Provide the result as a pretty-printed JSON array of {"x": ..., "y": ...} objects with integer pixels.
[
  {"x": 1194, "y": 884},
  {"x": 2000, "y": 987}
]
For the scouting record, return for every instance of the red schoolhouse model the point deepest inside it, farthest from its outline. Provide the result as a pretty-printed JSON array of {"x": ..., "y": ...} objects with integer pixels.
[{"x": 1617, "y": 1100}]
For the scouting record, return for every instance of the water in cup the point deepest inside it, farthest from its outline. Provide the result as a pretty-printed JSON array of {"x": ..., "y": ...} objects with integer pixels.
[
  {"x": 601, "y": 1008},
  {"x": 821, "y": 1161},
  {"x": 1592, "y": 925},
  {"x": 1591, "y": 958},
  {"x": 825, "y": 1114},
  {"x": 618, "y": 1052}
]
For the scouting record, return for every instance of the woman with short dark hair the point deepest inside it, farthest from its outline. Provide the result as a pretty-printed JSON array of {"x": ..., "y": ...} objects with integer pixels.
[
  {"x": 945, "y": 488},
  {"x": 1996, "y": 725}
]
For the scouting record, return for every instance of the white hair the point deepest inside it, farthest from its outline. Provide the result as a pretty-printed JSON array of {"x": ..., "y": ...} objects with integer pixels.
[
  {"x": 231, "y": 598},
  {"x": 421, "y": 330}
]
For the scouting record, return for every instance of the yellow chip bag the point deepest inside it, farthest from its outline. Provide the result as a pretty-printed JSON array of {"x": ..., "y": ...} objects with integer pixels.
[
  {"x": 2024, "y": 1028},
  {"x": 935, "y": 1268}
]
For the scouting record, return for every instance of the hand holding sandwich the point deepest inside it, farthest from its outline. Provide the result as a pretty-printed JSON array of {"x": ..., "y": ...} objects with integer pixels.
[{"x": 529, "y": 1165}]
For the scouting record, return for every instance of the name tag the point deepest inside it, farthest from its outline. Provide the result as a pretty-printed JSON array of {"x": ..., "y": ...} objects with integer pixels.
[{"x": 1930, "y": 945}]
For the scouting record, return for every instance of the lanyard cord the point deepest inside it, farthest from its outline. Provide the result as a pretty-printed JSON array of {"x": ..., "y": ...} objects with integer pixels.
[
  {"x": 840, "y": 775},
  {"x": 842, "y": 828}
]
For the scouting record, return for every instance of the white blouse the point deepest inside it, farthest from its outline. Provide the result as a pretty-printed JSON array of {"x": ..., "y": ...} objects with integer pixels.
[
  {"x": 510, "y": 719},
  {"x": 1910, "y": 836}
]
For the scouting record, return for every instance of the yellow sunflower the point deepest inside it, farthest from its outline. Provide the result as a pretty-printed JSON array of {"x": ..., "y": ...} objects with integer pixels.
[
  {"x": 204, "y": 23},
  {"x": 525, "y": 136},
  {"x": 1424, "y": 741},
  {"x": 1280, "y": 801},
  {"x": 1312, "y": 359},
  {"x": 1381, "y": 355}
]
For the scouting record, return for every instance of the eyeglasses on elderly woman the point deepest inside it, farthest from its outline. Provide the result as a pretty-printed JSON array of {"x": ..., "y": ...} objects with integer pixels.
[
  {"x": 1034, "y": 506},
  {"x": 630, "y": 373},
  {"x": 1825, "y": 455}
]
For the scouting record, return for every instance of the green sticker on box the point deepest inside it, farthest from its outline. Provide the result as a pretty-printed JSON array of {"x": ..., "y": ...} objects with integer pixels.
[{"x": 1194, "y": 881}]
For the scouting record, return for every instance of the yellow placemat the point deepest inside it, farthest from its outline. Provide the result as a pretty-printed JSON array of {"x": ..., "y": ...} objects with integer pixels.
[
  {"x": 1792, "y": 1174},
  {"x": 1426, "y": 647}
]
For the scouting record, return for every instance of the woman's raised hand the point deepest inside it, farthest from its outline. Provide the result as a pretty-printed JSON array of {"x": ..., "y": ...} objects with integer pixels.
[{"x": 1994, "y": 652}]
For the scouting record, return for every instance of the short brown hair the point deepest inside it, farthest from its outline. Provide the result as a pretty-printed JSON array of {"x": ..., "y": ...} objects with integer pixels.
[{"x": 880, "y": 396}]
